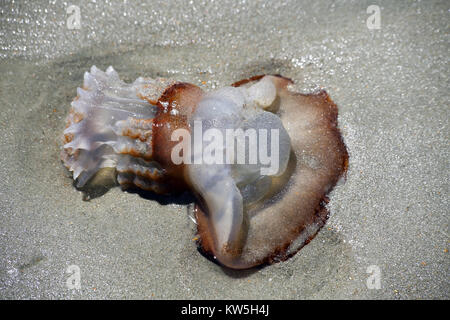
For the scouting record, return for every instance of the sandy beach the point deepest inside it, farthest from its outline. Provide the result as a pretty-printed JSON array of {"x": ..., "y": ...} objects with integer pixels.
[{"x": 390, "y": 81}]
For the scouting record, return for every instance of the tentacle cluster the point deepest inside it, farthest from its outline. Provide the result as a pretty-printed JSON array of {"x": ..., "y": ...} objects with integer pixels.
[{"x": 110, "y": 124}]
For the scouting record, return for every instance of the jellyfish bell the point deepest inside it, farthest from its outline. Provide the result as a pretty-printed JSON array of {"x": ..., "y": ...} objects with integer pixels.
[{"x": 293, "y": 210}]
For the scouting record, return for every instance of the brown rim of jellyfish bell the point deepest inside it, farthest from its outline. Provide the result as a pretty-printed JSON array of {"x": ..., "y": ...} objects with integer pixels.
[{"x": 303, "y": 215}]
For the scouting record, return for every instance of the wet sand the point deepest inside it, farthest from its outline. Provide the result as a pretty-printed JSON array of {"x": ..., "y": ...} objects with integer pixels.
[{"x": 391, "y": 86}]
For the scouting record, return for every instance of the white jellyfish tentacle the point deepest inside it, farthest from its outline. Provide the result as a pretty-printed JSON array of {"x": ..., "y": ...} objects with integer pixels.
[
  {"x": 223, "y": 200},
  {"x": 105, "y": 117}
]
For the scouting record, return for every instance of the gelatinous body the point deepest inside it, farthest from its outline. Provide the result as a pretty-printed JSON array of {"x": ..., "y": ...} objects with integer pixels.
[{"x": 259, "y": 158}]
